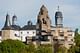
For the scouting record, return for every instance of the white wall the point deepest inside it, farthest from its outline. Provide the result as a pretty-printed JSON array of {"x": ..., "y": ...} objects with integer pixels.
[{"x": 27, "y": 33}]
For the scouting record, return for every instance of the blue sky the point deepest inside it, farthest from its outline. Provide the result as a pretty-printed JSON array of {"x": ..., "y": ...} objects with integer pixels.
[{"x": 28, "y": 10}]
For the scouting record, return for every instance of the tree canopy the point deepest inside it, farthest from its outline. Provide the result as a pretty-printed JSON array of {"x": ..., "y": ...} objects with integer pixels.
[
  {"x": 16, "y": 46},
  {"x": 75, "y": 48}
]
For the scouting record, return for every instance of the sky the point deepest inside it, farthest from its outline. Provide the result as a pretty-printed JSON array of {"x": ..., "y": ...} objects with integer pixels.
[{"x": 28, "y": 10}]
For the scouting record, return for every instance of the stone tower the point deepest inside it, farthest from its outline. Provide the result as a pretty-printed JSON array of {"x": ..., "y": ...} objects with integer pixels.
[
  {"x": 7, "y": 32},
  {"x": 43, "y": 24},
  {"x": 58, "y": 18}
]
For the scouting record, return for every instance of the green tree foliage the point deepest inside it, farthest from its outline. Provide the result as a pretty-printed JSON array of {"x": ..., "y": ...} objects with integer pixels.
[
  {"x": 15, "y": 46},
  {"x": 44, "y": 49},
  {"x": 76, "y": 31},
  {"x": 11, "y": 46},
  {"x": 62, "y": 49},
  {"x": 75, "y": 48},
  {"x": 30, "y": 48},
  {"x": 77, "y": 40}
]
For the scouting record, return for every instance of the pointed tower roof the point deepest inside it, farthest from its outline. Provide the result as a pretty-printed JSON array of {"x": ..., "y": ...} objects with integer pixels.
[
  {"x": 43, "y": 8},
  {"x": 7, "y": 24}
]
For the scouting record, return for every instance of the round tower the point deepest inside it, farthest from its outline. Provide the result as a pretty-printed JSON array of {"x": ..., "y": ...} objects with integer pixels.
[
  {"x": 58, "y": 18},
  {"x": 14, "y": 18}
]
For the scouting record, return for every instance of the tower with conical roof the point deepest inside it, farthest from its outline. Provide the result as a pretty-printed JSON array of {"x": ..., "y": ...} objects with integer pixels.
[
  {"x": 58, "y": 18},
  {"x": 7, "y": 24},
  {"x": 7, "y": 30}
]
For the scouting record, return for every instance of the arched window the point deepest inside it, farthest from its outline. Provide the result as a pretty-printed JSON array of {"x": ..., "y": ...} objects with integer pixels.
[{"x": 44, "y": 22}]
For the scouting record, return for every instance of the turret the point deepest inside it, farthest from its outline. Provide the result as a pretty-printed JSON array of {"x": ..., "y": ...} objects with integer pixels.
[
  {"x": 58, "y": 18},
  {"x": 29, "y": 23},
  {"x": 14, "y": 18}
]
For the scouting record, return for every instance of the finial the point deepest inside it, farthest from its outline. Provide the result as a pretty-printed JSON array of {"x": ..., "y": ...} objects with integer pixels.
[
  {"x": 43, "y": 6},
  {"x": 58, "y": 7}
]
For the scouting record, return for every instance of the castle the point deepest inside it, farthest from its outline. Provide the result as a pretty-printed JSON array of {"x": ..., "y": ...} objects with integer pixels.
[{"x": 41, "y": 33}]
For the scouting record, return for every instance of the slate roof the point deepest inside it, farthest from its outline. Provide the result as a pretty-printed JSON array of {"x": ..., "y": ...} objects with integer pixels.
[
  {"x": 29, "y": 27},
  {"x": 16, "y": 27},
  {"x": 58, "y": 13},
  {"x": 7, "y": 28}
]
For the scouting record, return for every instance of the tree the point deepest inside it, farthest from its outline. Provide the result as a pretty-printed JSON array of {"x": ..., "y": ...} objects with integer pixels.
[
  {"x": 16, "y": 46},
  {"x": 76, "y": 31},
  {"x": 30, "y": 48},
  {"x": 11, "y": 46},
  {"x": 44, "y": 49},
  {"x": 62, "y": 49},
  {"x": 75, "y": 48}
]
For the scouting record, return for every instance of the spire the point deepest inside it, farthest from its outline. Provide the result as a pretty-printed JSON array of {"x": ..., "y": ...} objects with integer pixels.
[
  {"x": 7, "y": 22},
  {"x": 58, "y": 7},
  {"x": 43, "y": 8},
  {"x": 14, "y": 18},
  {"x": 59, "y": 18}
]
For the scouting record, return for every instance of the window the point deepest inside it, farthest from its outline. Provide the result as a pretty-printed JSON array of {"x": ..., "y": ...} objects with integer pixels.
[
  {"x": 38, "y": 20},
  {"x": 71, "y": 39},
  {"x": 15, "y": 34},
  {"x": 41, "y": 12},
  {"x": 27, "y": 32},
  {"x": 61, "y": 35},
  {"x": 21, "y": 32},
  {"x": 44, "y": 38},
  {"x": 55, "y": 39},
  {"x": 33, "y": 38},
  {"x": 33, "y": 32},
  {"x": 70, "y": 35},
  {"x": 44, "y": 22},
  {"x": 70, "y": 44},
  {"x": 62, "y": 39}
]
